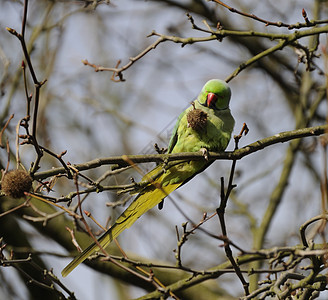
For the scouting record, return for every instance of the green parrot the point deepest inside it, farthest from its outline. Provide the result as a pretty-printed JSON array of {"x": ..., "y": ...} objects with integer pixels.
[{"x": 204, "y": 126}]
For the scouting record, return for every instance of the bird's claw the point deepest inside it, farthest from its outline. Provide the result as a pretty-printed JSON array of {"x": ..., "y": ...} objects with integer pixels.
[
  {"x": 161, "y": 205},
  {"x": 204, "y": 151}
]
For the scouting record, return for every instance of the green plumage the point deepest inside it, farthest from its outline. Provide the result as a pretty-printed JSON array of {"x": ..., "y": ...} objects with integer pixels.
[{"x": 206, "y": 124}]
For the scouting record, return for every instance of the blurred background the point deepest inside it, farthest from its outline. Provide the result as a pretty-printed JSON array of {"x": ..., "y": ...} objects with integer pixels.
[{"x": 91, "y": 116}]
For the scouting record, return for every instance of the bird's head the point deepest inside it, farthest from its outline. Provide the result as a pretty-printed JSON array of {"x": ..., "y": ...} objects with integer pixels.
[{"x": 215, "y": 94}]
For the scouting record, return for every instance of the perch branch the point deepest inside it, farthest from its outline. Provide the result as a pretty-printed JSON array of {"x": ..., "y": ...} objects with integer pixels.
[{"x": 229, "y": 155}]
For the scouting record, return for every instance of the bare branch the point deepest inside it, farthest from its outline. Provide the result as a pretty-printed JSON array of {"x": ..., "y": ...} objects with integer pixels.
[{"x": 235, "y": 155}]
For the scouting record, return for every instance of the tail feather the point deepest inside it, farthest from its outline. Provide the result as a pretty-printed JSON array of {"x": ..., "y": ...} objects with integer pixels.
[{"x": 144, "y": 202}]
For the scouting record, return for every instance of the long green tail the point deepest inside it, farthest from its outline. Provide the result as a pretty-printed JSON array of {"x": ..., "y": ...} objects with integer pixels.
[{"x": 138, "y": 207}]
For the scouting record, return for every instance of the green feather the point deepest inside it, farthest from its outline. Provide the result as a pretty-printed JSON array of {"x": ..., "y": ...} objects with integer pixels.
[{"x": 209, "y": 128}]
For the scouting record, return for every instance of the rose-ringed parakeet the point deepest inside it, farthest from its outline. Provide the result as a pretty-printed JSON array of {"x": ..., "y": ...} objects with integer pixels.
[{"x": 206, "y": 125}]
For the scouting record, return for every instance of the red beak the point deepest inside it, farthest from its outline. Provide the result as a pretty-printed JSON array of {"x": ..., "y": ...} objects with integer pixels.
[{"x": 211, "y": 99}]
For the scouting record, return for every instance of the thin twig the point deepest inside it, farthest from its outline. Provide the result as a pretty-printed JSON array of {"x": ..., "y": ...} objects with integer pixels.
[
  {"x": 224, "y": 196},
  {"x": 3, "y": 129},
  {"x": 307, "y": 23},
  {"x": 37, "y": 86},
  {"x": 307, "y": 223}
]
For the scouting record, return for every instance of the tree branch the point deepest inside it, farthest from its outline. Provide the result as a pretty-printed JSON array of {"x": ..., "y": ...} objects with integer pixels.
[{"x": 229, "y": 155}]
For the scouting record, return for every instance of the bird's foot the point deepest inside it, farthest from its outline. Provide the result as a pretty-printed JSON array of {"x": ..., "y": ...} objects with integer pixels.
[
  {"x": 161, "y": 205},
  {"x": 204, "y": 152}
]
